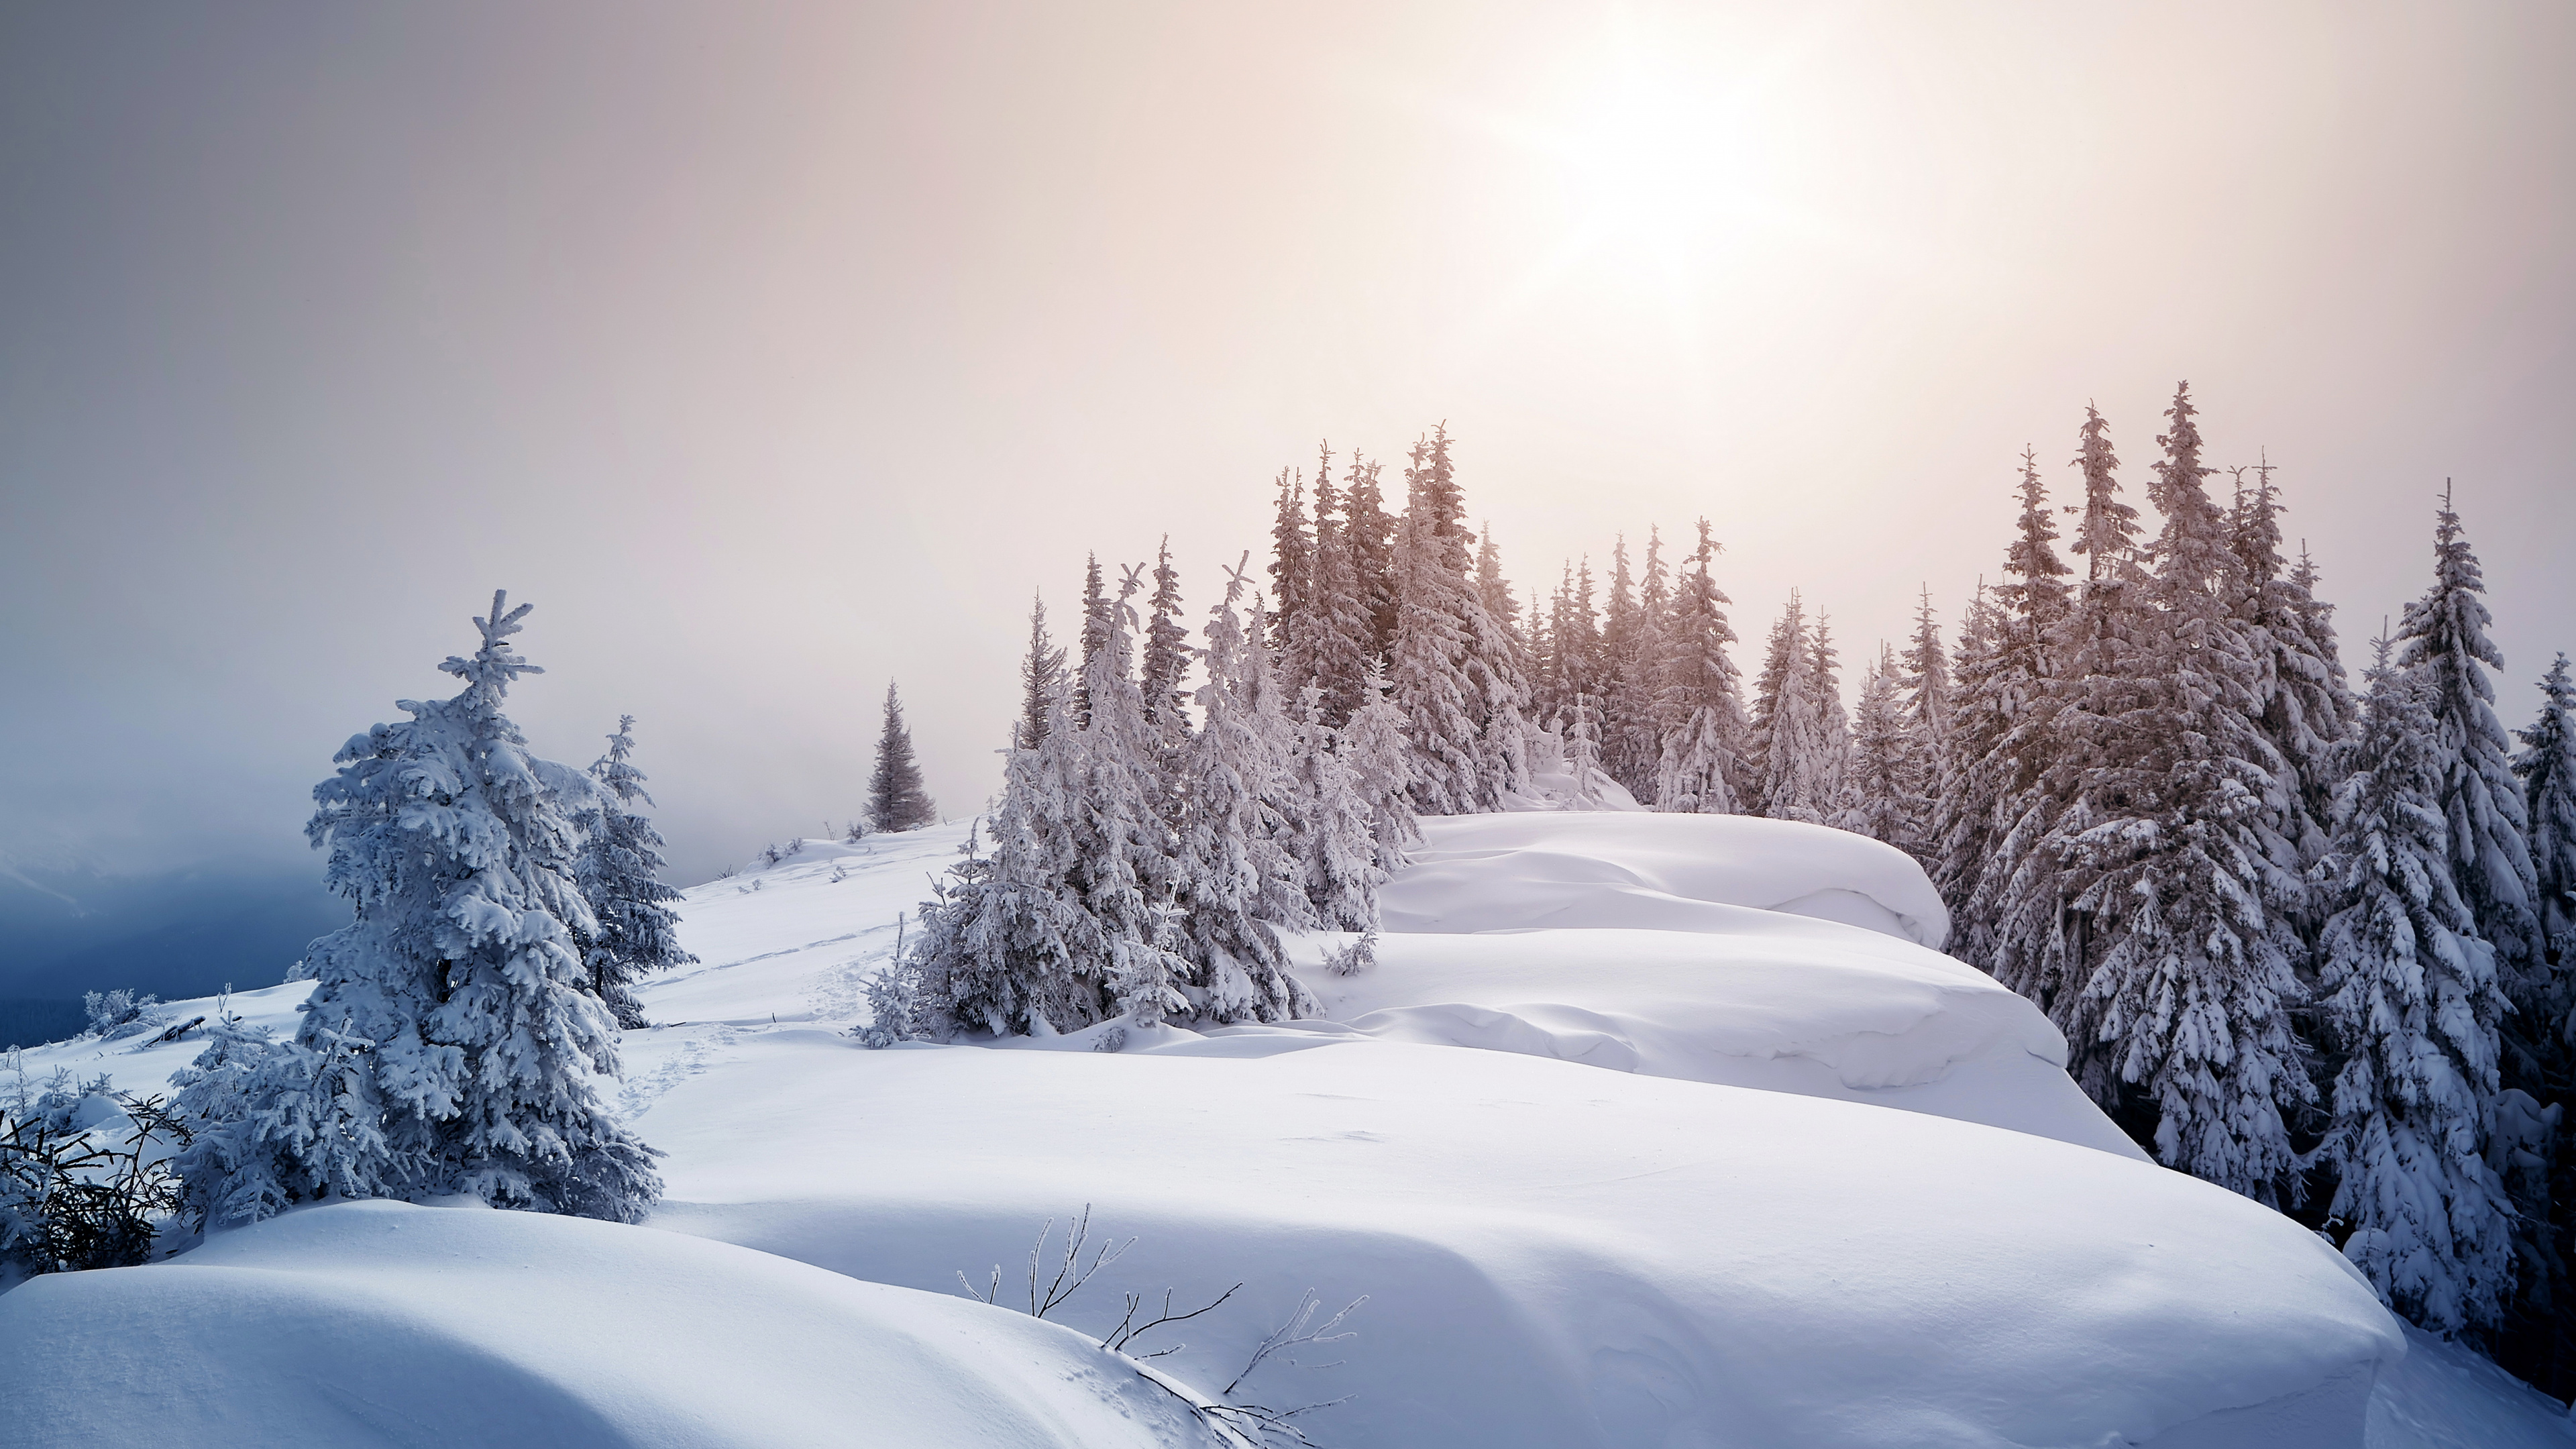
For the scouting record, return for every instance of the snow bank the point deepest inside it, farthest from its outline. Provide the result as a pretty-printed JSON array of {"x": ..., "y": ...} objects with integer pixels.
[
  {"x": 380, "y": 1323},
  {"x": 1782, "y": 1003},
  {"x": 1555, "y": 1256},
  {"x": 1615, "y": 869}
]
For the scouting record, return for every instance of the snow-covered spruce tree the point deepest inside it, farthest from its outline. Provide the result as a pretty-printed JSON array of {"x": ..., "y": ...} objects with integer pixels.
[
  {"x": 1876, "y": 786},
  {"x": 1430, "y": 686},
  {"x": 1292, "y": 549},
  {"x": 896, "y": 800},
  {"x": 1167, "y": 654},
  {"x": 1632, "y": 726},
  {"x": 1583, "y": 756},
  {"x": 1370, "y": 532},
  {"x": 1095, "y": 610},
  {"x": 2183, "y": 1021},
  {"x": 1238, "y": 874},
  {"x": 2408, "y": 1003},
  {"x": 1492, "y": 677},
  {"x": 1125, "y": 863},
  {"x": 1697, "y": 774},
  {"x": 448, "y": 1046},
  {"x": 2444, "y": 637},
  {"x": 1330, "y": 642},
  {"x": 1381, "y": 762},
  {"x": 1806, "y": 734},
  {"x": 2547, "y": 766},
  {"x": 1335, "y": 846},
  {"x": 1005, "y": 945},
  {"x": 1784, "y": 653},
  {"x": 2021, "y": 897},
  {"x": 1965, "y": 806},
  {"x": 2533, "y": 1142},
  {"x": 619, "y": 871},
  {"x": 1924, "y": 707},
  {"x": 1041, "y": 681},
  {"x": 2302, "y": 702}
]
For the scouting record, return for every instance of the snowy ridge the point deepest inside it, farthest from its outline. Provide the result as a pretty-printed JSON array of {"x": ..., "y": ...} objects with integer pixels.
[{"x": 1681, "y": 1213}]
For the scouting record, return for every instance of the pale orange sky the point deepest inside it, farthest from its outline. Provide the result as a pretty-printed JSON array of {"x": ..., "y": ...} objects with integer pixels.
[{"x": 773, "y": 350}]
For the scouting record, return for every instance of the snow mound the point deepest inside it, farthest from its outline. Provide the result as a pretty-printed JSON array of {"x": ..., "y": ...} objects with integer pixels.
[
  {"x": 1780, "y": 1002},
  {"x": 1657, "y": 872},
  {"x": 381, "y": 1323},
  {"x": 1554, "y": 1256}
]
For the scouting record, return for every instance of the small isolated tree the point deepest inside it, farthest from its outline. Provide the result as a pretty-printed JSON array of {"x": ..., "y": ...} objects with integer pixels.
[
  {"x": 621, "y": 857},
  {"x": 2409, "y": 1001},
  {"x": 449, "y": 1045},
  {"x": 896, "y": 800}
]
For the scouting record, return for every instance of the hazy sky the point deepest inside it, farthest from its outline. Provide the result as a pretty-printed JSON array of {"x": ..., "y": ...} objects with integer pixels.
[{"x": 771, "y": 352}]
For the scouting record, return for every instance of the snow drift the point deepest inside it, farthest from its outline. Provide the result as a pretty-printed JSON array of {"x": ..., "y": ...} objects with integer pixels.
[{"x": 382, "y": 1323}]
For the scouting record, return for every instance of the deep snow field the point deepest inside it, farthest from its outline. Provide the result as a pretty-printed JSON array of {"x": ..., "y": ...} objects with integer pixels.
[{"x": 1644, "y": 1131}]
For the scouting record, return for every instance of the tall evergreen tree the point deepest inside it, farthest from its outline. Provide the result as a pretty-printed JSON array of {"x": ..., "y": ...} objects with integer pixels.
[
  {"x": 1041, "y": 681},
  {"x": 1431, "y": 689},
  {"x": 896, "y": 799},
  {"x": 2408, "y": 1003},
  {"x": 1583, "y": 756},
  {"x": 1381, "y": 761},
  {"x": 1330, "y": 644},
  {"x": 2547, "y": 766},
  {"x": 1335, "y": 845},
  {"x": 1698, "y": 772},
  {"x": 449, "y": 1046},
  {"x": 1167, "y": 654},
  {"x": 1095, "y": 615},
  {"x": 2183, "y": 1017},
  {"x": 1292, "y": 548},
  {"x": 619, "y": 873},
  {"x": 1879, "y": 800},
  {"x": 1784, "y": 655},
  {"x": 1371, "y": 533},
  {"x": 2300, "y": 698},
  {"x": 2021, "y": 899},
  {"x": 2444, "y": 637},
  {"x": 2108, "y": 535},
  {"x": 1237, "y": 873},
  {"x": 1967, "y": 805}
]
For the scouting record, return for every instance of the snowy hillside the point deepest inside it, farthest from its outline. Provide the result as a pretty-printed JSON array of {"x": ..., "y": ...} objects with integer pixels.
[{"x": 1645, "y": 1130}]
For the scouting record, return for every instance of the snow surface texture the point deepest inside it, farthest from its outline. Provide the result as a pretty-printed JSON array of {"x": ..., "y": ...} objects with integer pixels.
[
  {"x": 1555, "y": 1254},
  {"x": 1773, "y": 954},
  {"x": 384, "y": 1323}
]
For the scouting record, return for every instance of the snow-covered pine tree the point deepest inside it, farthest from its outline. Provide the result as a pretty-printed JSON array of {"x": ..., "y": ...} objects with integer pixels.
[
  {"x": 2184, "y": 1017},
  {"x": 1095, "y": 610},
  {"x": 1924, "y": 707},
  {"x": 1697, "y": 772},
  {"x": 1493, "y": 590},
  {"x": 1330, "y": 644},
  {"x": 1381, "y": 762},
  {"x": 2534, "y": 1144},
  {"x": 619, "y": 871},
  {"x": 896, "y": 799},
  {"x": 1784, "y": 655},
  {"x": 1005, "y": 944},
  {"x": 2108, "y": 536},
  {"x": 1292, "y": 548},
  {"x": 1041, "y": 681},
  {"x": 2408, "y": 1003},
  {"x": 1494, "y": 670},
  {"x": 1879, "y": 803},
  {"x": 2444, "y": 637},
  {"x": 1335, "y": 846},
  {"x": 1237, "y": 873},
  {"x": 2303, "y": 705},
  {"x": 1429, "y": 683},
  {"x": 1965, "y": 807},
  {"x": 2021, "y": 899},
  {"x": 448, "y": 1046},
  {"x": 1371, "y": 533},
  {"x": 1810, "y": 735},
  {"x": 2547, "y": 767},
  {"x": 1631, "y": 743},
  {"x": 1583, "y": 756},
  {"x": 1167, "y": 654},
  {"x": 1125, "y": 861}
]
